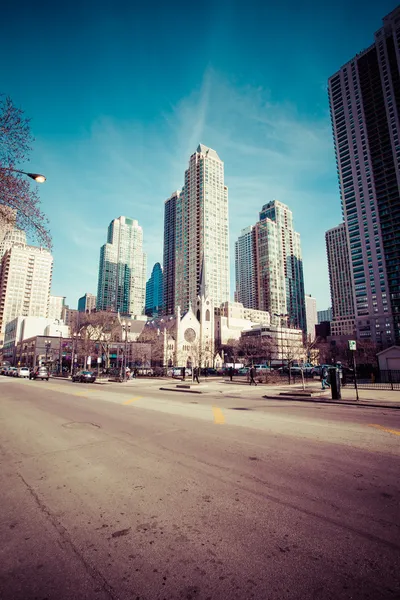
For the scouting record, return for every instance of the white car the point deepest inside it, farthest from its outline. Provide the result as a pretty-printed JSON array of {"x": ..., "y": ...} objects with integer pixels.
[{"x": 23, "y": 372}]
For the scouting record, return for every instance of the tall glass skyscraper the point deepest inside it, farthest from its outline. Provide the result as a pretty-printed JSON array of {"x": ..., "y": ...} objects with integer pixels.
[
  {"x": 245, "y": 272},
  {"x": 154, "y": 292},
  {"x": 169, "y": 253},
  {"x": 364, "y": 99},
  {"x": 122, "y": 269}
]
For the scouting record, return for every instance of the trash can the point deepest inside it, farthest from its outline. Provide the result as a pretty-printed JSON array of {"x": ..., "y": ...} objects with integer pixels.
[{"x": 334, "y": 377}]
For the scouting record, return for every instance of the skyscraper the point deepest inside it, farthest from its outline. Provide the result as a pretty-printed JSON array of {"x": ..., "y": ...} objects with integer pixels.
[
  {"x": 170, "y": 231},
  {"x": 245, "y": 272},
  {"x": 87, "y": 303},
  {"x": 56, "y": 305},
  {"x": 324, "y": 315},
  {"x": 25, "y": 282},
  {"x": 280, "y": 264},
  {"x": 122, "y": 269},
  {"x": 271, "y": 251},
  {"x": 364, "y": 99},
  {"x": 311, "y": 316},
  {"x": 154, "y": 292},
  {"x": 337, "y": 250},
  {"x": 202, "y": 230}
]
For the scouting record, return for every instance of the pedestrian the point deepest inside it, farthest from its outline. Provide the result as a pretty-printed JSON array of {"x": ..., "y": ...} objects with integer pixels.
[
  {"x": 183, "y": 373},
  {"x": 324, "y": 378},
  {"x": 230, "y": 371},
  {"x": 252, "y": 374},
  {"x": 196, "y": 374}
]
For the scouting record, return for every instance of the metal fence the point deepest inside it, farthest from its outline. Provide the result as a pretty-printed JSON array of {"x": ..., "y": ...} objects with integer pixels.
[{"x": 380, "y": 380}]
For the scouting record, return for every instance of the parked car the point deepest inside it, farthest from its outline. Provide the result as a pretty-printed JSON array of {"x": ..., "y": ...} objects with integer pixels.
[
  {"x": 12, "y": 371},
  {"x": 4, "y": 369},
  {"x": 23, "y": 372},
  {"x": 40, "y": 373},
  {"x": 243, "y": 371},
  {"x": 84, "y": 376}
]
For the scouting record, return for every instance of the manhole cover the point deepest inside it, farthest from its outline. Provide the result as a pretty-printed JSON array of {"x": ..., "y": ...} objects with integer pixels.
[{"x": 81, "y": 425}]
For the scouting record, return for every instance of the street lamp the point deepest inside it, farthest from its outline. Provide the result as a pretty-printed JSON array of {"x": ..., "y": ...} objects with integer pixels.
[
  {"x": 60, "y": 352},
  {"x": 35, "y": 176},
  {"x": 125, "y": 327},
  {"x": 47, "y": 345},
  {"x": 75, "y": 338}
]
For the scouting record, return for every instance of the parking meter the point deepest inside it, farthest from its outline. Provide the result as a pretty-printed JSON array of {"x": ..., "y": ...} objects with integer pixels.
[{"x": 334, "y": 376}]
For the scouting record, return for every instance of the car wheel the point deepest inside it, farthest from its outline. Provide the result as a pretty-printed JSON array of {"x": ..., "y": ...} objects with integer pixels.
[{"x": 47, "y": 379}]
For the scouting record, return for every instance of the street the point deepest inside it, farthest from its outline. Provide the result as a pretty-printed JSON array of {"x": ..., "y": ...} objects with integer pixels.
[{"x": 129, "y": 492}]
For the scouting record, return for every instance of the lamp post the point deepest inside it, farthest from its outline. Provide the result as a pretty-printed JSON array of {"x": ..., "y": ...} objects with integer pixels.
[
  {"x": 60, "y": 352},
  {"x": 47, "y": 345},
  {"x": 38, "y": 177},
  {"x": 75, "y": 338},
  {"x": 125, "y": 328}
]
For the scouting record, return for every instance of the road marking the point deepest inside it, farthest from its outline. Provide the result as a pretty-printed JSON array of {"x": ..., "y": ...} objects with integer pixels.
[
  {"x": 382, "y": 428},
  {"x": 219, "y": 418},
  {"x": 131, "y": 400},
  {"x": 84, "y": 393}
]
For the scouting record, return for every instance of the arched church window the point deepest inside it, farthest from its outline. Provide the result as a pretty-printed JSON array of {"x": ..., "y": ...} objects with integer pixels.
[
  {"x": 207, "y": 315},
  {"x": 198, "y": 315}
]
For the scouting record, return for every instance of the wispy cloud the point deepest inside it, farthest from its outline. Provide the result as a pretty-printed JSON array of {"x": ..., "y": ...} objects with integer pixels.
[{"x": 269, "y": 149}]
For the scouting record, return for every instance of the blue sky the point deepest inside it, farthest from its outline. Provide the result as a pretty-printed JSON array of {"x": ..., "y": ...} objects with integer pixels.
[{"x": 120, "y": 95}]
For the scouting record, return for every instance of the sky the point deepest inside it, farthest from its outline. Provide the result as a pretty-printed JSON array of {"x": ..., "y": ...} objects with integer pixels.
[{"x": 120, "y": 94}]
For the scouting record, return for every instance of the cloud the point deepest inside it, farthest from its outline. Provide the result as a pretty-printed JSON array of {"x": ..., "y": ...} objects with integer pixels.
[{"x": 131, "y": 167}]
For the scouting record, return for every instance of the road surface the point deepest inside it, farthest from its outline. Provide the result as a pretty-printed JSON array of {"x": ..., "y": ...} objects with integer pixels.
[{"x": 113, "y": 492}]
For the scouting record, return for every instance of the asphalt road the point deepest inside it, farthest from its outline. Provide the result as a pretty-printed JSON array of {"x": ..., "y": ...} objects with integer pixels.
[{"x": 132, "y": 493}]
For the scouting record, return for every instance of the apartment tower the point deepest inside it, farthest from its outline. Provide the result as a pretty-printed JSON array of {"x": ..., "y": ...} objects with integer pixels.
[
  {"x": 364, "y": 100},
  {"x": 169, "y": 258},
  {"x": 154, "y": 292},
  {"x": 122, "y": 269},
  {"x": 202, "y": 235},
  {"x": 245, "y": 271},
  {"x": 340, "y": 281}
]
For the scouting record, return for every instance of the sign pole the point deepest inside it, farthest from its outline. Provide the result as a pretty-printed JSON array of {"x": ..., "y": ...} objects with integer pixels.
[{"x": 353, "y": 348}]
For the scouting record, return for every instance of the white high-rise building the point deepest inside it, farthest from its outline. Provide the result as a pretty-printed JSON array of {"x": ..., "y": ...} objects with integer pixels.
[
  {"x": 337, "y": 249},
  {"x": 56, "y": 305},
  {"x": 122, "y": 269},
  {"x": 202, "y": 231},
  {"x": 311, "y": 316},
  {"x": 25, "y": 282},
  {"x": 245, "y": 271}
]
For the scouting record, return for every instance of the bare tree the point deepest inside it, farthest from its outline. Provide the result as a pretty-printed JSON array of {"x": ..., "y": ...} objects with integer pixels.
[{"x": 16, "y": 192}]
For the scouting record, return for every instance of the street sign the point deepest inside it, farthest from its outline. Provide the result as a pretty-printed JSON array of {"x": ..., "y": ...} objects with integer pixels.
[
  {"x": 99, "y": 359},
  {"x": 352, "y": 345},
  {"x": 89, "y": 360}
]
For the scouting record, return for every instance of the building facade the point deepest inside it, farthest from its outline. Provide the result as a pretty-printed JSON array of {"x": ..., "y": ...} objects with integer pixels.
[
  {"x": 202, "y": 236},
  {"x": 154, "y": 292},
  {"x": 87, "y": 303},
  {"x": 245, "y": 268},
  {"x": 169, "y": 258},
  {"x": 122, "y": 269},
  {"x": 311, "y": 316},
  {"x": 364, "y": 100},
  {"x": 324, "y": 315},
  {"x": 340, "y": 281},
  {"x": 25, "y": 282},
  {"x": 275, "y": 283},
  {"x": 56, "y": 305}
]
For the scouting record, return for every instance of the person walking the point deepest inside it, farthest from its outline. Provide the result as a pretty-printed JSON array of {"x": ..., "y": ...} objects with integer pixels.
[
  {"x": 196, "y": 374},
  {"x": 183, "y": 373},
  {"x": 252, "y": 374},
  {"x": 324, "y": 378},
  {"x": 230, "y": 373}
]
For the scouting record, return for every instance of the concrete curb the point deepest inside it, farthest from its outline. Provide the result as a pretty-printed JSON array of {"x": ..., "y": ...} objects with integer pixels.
[
  {"x": 185, "y": 390},
  {"x": 330, "y": 402}
]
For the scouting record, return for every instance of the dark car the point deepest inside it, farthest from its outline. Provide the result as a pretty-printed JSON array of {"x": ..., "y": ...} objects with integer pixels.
[
  {"x": 40, "y": 373},
  {"x": 84, "y": 377}
]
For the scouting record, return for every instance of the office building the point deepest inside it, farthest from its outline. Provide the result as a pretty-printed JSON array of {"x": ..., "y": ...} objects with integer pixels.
[
  {"x": 340, "y": 281},
  {"x": 169, "y": 257},
  {"x": 245, "y": 271},
  {"x": 25, "y": 282},
  {"x": 324, "y": 315},
  {"x": 364, "y": 101},
  {"x": 87, "y": 303},
  {"x": 311, "y": 316},
  {"x": 122, "y": 269},
  {"x": 202, "y": 237},
  {"x": 56, "y": 304},
  {"x": 154, "y": 292}
]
